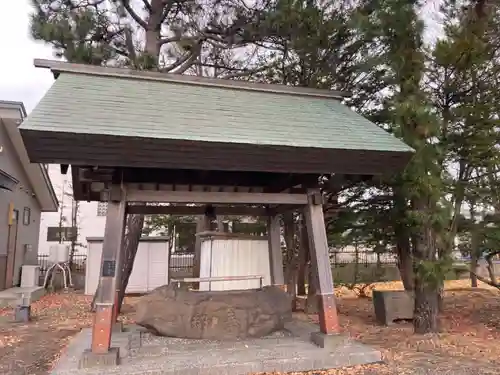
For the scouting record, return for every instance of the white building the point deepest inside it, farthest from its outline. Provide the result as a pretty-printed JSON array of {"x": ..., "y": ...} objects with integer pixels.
[{"x": 91, "y": 216}]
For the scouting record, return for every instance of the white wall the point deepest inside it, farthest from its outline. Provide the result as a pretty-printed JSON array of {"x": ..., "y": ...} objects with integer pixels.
[
  {"x": 150, "y": 268},
  {"x": 89, "y": 224},
  {"x": 234, "y": 256}
]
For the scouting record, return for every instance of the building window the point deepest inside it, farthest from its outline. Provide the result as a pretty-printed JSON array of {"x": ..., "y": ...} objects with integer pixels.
[
  {"x": 102, "y": 208},
  {"x": 26, "y": 216}
]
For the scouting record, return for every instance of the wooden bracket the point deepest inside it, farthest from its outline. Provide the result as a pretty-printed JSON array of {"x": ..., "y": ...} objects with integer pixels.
[
  {"x": 315, "y": 197},
  {"x": 105, "y": 196},
  {"x": 64, "y": 168},
  {"x": 116, "y": 194}
]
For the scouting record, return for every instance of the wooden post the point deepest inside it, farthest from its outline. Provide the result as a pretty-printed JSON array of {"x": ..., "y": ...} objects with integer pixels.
[
  {"x": 105, "y": 314},
  {"x": 275, "y": 254},
  {"x": 318, "y": 245},
  {"x": 303, "y": 257},
  {"x": 122, "y": 217},
  {"x": 220, "y": 224},
  {"x": 202, "y": 224}
]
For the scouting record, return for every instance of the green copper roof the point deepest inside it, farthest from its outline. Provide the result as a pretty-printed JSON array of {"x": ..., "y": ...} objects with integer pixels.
[{"x": 110, "y": 105}]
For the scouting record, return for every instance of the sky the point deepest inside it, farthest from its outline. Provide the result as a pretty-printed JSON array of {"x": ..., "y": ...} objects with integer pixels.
[{"x": 19, "y": 79}]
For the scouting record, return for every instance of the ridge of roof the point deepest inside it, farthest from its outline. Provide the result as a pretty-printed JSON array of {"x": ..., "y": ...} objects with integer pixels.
[{"x": 58, "y": 67}]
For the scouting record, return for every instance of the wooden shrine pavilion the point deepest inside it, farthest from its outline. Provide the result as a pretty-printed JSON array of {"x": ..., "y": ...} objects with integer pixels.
[{"x": 244, "y": 148}]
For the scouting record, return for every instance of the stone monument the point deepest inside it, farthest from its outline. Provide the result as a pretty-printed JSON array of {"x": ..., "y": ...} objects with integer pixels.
[{"x": 216, "y": 315}]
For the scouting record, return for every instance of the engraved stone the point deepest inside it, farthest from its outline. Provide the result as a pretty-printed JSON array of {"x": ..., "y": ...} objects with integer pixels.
[{"x": 216, "y": 315}]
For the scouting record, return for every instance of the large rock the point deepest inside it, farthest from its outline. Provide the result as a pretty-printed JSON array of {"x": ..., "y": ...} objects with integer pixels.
[{"x": 217, "y": 315}]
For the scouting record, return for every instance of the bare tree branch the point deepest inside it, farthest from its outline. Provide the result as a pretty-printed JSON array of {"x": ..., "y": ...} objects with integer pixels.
[
  {"x": 245, "y": 73},
  {"x": 492, "y": 281},
  {"x": 134, "y": 15},
  {"x": 179, "y": 39},
  {"x": 195, "y": 53},
  {"x": 486, "y": 281},
  {"x": 182, "y": 64},
  {"x": 147, "y": 5}
]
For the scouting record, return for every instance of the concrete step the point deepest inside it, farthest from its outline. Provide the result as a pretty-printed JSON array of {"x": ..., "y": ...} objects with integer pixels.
[{"x": 13, "y": 296}]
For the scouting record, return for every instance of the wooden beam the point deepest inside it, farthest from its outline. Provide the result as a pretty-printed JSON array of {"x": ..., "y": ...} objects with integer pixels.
[
  {"x": 196, "y": 210},
  {"x": 204, "y": 177},
  {"x": 288, "y": 182},
  {"x": 150, "y": 196},
  {"x": 283, "y": 208},
  {"x": 320, "y": 259}
]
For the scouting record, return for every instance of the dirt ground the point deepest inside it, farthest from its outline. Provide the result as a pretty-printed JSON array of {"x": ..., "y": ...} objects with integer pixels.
[{"x": 470, "y": 326}]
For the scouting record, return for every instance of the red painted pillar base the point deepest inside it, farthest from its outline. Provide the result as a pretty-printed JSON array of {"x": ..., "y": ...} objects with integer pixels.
[
  {"x": 102, "y": 328},
  {"x": 328, "y": 317}
]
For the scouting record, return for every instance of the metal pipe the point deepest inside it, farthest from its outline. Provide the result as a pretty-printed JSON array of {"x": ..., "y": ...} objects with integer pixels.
[
  {"x": 217, "y": 278},
  {"x": 211, "y": 262}
]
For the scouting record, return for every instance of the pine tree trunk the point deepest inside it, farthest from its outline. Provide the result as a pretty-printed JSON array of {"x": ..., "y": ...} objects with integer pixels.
[
  {"x": 291, "y": 283},
  {"x": 152, "y": 47},
  {"x": 403, "y": 247},
  {"x": 426, "y": 308},
  {"x": 302, "y": 259},
  {"x": 131, "y": 244},
  {"x": 441, "y": 298},
  {"x": 474, "y": 258},
  {"x": 290, "y": 267},
  {"x": 312, "y": 302},
  {"x": 301, "y": 274},
  {"x": 405, "y": 266},
  {"x": 473, "y": 266},
  {"x": 426, "y": 312}
]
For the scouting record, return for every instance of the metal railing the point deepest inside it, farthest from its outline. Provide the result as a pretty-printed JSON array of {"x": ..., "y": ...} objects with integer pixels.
[
  {"x": 217, "y": 278},
  {"x": 341, "y": 258},
  {"x": 181, "y": 261}
]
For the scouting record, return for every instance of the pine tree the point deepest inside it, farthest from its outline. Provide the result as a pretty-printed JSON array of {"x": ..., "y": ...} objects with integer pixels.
[
  {"x": 416, "y": 192},
  {"x": 166, "y": 36},
  {"x": 320, "y": 45},
  {"x": 464, "y": 86}
]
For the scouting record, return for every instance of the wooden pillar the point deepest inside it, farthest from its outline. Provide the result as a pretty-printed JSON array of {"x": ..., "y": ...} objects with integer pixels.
[
  {"x": 318, "y": 245},
  {"x": 303, "y": 258},
  {"x": 220, "y": 224},
  {"x": 275, "y": 253},
  {"x": 105, "y": 314},
  {"x": 202, "y": 224}
]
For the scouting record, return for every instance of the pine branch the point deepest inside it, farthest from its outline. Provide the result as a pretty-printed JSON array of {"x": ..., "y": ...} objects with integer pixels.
[
  {"x": 180, "y": 40},
  {"x": 245, "y": 73},
  {"x": 184, "y": 63}
]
